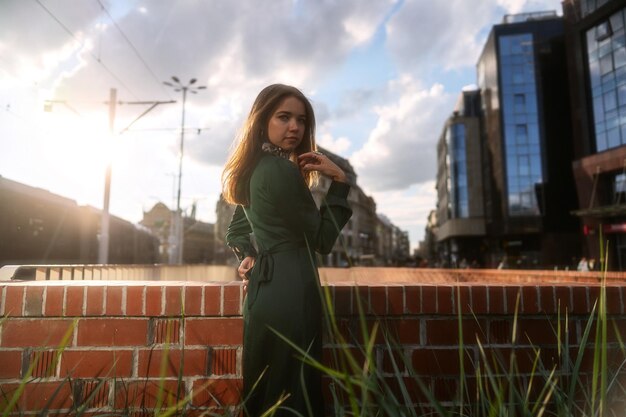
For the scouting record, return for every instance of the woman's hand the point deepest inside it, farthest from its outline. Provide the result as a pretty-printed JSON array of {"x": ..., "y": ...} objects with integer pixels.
[
  {"x": 244, "y": 267},
  {"x": 317, "y": 161}
]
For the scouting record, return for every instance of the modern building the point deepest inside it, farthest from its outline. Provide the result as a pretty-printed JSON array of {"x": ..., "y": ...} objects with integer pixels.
[
  {"x": 505, "y": 186},
  {"x": 461, "y": 232},
  {"x": 596, "y": 58}
]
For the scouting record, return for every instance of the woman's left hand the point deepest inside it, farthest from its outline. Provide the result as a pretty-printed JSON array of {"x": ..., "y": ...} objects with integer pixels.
[{"x": 317, "y": 161}]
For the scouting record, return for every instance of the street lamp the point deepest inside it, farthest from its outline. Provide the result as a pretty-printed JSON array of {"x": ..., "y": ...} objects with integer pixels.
[{"x": 176, "y": 256}]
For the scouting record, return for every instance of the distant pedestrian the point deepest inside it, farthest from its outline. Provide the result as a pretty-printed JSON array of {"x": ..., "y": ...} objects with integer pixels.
[{"x": 583, "y": 265}]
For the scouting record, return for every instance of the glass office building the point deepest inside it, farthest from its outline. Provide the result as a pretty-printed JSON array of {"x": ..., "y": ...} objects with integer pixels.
[
  {"x": 457, "y": 166},
  {"x": 606, "y": 51},
  {"x": 521, "y": 124}
]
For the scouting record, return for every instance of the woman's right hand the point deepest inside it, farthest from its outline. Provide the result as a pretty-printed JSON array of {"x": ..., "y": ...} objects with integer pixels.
[{"x": 244, "y": 267}]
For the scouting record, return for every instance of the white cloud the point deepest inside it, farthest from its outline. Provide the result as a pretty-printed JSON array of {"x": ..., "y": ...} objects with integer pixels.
[
  {"x": 338, "y": 145},
  {"x": 401, "y": 150}
]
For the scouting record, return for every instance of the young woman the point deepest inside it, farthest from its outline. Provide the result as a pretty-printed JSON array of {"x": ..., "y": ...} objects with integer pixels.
[{"x": 268, "y": 178}]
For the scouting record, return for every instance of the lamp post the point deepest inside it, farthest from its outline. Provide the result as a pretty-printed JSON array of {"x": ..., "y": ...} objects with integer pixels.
[{"x": 176, "y": 231}]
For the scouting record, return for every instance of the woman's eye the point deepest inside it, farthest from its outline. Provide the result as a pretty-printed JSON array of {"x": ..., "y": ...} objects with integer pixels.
[{"x": 283, "y": 117}]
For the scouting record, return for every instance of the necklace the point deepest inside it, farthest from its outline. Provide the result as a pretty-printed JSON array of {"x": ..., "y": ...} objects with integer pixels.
[{"x": 275, "y": 150}]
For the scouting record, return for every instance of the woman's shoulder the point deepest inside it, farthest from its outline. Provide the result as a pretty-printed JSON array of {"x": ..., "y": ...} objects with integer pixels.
[{"x": 273, "y": 165}]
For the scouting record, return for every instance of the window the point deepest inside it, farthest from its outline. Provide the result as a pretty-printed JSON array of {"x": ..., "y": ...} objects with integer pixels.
[
  {"x": 606, "y": 55},
  {"x": 521, "y": 125}
]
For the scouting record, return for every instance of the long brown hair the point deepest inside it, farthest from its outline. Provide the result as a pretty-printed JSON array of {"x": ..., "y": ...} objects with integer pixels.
[{"x": 247, "y": 152}]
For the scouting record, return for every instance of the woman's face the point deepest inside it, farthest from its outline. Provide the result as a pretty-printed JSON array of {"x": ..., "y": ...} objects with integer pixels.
[{"x": 286, "y": 126}]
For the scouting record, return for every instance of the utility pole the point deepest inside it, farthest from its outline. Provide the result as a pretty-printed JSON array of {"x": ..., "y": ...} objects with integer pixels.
[
  {"x": 103, "y": 245},
  {"x": 176, "y": 240}
]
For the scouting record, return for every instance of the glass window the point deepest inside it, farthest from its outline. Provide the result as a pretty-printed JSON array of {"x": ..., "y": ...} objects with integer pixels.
[
  {"x": 617, "y": 21},
  {"x": 522, "y": 137},
  {"x": 607, "y": 75},
  {"x": 519, "y": 101},
  {"x": 619, "y": 57},
  {"x": 606, "y": 64},
  {"x": 609, "y": 101},
  {"x": 603, "y": 31}
]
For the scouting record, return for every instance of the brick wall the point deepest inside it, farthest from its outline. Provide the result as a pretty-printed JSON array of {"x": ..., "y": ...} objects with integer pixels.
[{"x": 125, "y": 342}]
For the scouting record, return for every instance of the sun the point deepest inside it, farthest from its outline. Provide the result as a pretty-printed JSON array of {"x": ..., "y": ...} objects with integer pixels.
[{"x": 77, "y": 149}]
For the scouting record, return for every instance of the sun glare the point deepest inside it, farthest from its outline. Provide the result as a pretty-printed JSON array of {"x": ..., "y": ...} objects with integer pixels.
[{"x": 79, "y": 148}]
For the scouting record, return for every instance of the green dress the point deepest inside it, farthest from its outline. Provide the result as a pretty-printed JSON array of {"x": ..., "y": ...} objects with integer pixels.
[{"x": 283, "y": 291}]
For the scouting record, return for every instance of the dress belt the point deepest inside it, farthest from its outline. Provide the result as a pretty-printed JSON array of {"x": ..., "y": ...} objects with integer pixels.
[{"x": 263, "y": 268}]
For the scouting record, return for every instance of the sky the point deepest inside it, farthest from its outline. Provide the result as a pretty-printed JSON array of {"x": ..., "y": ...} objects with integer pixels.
[{"x": 383, "y": 75}]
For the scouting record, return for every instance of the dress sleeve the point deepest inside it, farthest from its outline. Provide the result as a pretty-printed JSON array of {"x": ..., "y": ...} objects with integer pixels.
[
  {"x": 296, "y": 205},
  {"x": 238, "y": 235}
]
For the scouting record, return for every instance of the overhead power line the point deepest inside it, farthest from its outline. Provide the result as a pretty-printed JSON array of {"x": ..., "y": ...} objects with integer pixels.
[
  {"x": 132, "y": 46},
  {"x": 97, "y": 59}
]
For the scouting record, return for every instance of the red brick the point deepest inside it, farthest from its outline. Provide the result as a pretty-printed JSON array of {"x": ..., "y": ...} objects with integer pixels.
[
  {"x": 54, "y": 300},
  {"x": 42, "y": 363},
  {"x": 113, "y": 332},
  {"x": 461, "y": 299},
  {"x": 395, "y": 300},
  {"x": 445, "y": 302},
  {"x": 14, "y": 299},
  {"x": 223, "y": 362},
  {"x": 579, "y": 295},
  {"x": 232, "y": 300},
  {"x": 216, "y": 392},
  {"x": 361, "y": 300},
  {"x": 563, "y": 299},
  {"x": 394, "y": 361},
  {"x": 479, "y": 299},
  {"x": 408, "y": 331},
  {"x": 96, "y": 363},
  {"x": 378, "y": 300},
  {"x": 114, "y": 300},
  {"x": 95, "y": 298},
  {"x": 193, "y": 300},
  {"x": 37, "y": 394},
  {"x": 342, "y": 298},
  {"x": 530, "y": 300},
  {"x": 33, "y": 301},
  {"x": 594, "y": 297},
  {"x": 214, "y": 331},
  {"x": 10, "y": 364},
  {"x": 173, "y": 301},
  {"x": 74, "y": 301},
  {"x": 153, "y": 300},
  {"x": 135, "y": 304},
  {"x": 446, "y": 332},
  {"x": 500, "y": 331},
  {"x": 546, "y": 293},
  {"x": 429, "y": 299},
  {"x": 212, "y": 300},
  {"x": 93, "y": 394},
  {"x": 35, "y": 333},
  {"x": 543, "y": 331},
  {"x": 144, "y": 393},
  {"x": 613, "y": 300},
  {"x": 195, "y": 362},
  {"x": 413, "y": 299},
  {"x": 511, "y": 296},
  {"x": 435, "y": 362},
  {"x": 496, "y": 299},
  {"x": 166, "y": 331}
]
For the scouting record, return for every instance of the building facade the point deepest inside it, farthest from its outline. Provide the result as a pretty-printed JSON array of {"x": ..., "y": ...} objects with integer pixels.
[
  {"x": 39, "y": 227},
  {"x": 198, "y": 237},
  {"x": 596, "y": 56},
  {"x": 460, "y": 186},
  {"x": 505, "y": 186}
]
